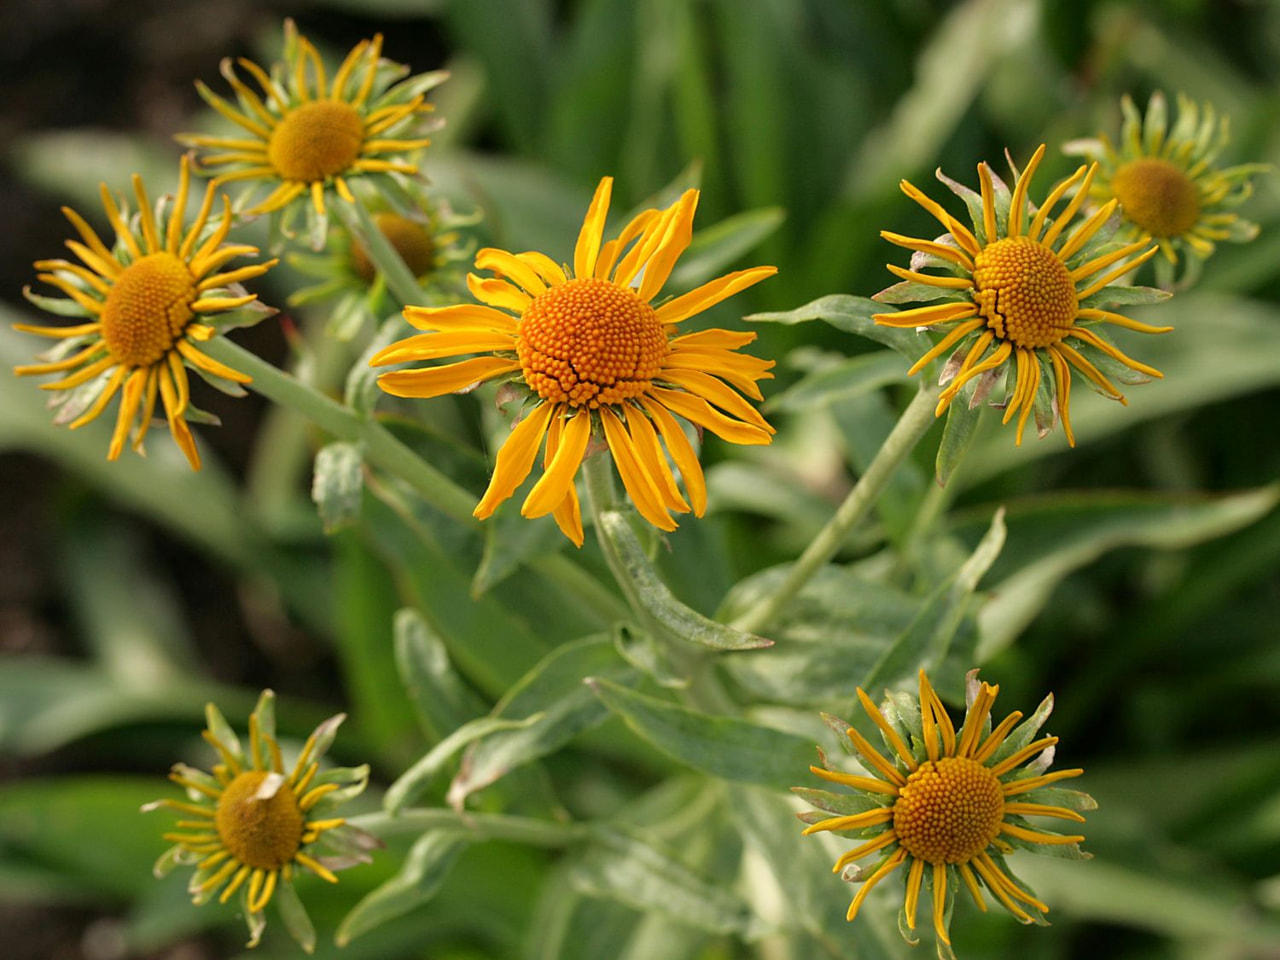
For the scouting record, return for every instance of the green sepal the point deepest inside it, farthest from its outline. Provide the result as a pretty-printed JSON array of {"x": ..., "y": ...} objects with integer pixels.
[{"x": 295, "y": 917}]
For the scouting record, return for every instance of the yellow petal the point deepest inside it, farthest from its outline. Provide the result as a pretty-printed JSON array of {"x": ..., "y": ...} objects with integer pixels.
[
  {"x": 588, "y": 246},
  {"x": 515, "y": 458},
  {"x": 553, "y": 486},
  {"x": 449, "y": 378},
  {"x": 709, "y": 294}
]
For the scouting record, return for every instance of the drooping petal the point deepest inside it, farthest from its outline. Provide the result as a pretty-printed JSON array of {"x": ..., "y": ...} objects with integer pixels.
[
  {"x": 449, "y": 378},
  {"x": 515, "y": 458}
]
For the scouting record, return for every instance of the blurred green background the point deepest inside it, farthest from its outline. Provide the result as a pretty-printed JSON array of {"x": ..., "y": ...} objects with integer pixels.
[{"x": 132, "y": 592}]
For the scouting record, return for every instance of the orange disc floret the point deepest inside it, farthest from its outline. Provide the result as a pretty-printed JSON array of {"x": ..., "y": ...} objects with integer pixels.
[
  {"x": 261, "y": 832},
  {"x": 1025, "y": 292},
  {"x": 316, "y": 140},
  {"x": 949, "y": 810},
  {"x": 1157, "y": 196},
  {"x": 589, "y": 343},
  {"x": 147, "y": 308}
]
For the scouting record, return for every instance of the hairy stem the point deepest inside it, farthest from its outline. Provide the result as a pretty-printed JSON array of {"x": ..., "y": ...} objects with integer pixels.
[{"x": 907, "y": 432}]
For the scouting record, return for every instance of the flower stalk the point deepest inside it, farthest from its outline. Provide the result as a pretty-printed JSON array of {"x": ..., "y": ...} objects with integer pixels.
[
  {"x": 907, "y": 432},
  {"x": 400, "y": 280},
  {"x": 381, "y": 448}
]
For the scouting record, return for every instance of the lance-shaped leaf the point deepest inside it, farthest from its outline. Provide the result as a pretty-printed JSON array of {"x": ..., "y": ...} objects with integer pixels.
[
  {"x": 560, "y": 708},
  {"x": 423, "y": 873},
  {"x": 925, "y": 642},
  {"x": 338, "y": 485},
  {"x": 852, "y": 315},
  {"x": 678, "y": 620},
  {"x": 440, "y": 698},
  {"x": 632, "y": 869},
  {"x": 724, "y": 747}
]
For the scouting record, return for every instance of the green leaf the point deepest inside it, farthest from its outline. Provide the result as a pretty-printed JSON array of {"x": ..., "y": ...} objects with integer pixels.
[
  {"x": 1164, "y": 902},
  {"x": 510, "y": 542},
  {"x": 632, "y": 869},
  {"x": 724, "y": 747},
  {"x": 949, "y": 72},
  {"x": 440, "y": 698},
  {"x": 851, "y": 315},
  {"x": 423, "y": 873},
  {"x": 87, "y": 830},
  {"x": 829, "y": 635},
  {"x": 851, "y": 377},
  {"x": 1049, "y": 537},
  {"x": 47, "y": 703},
  {"x": 338, "y": 485},
  {"x": 925, "y": 642},
  {"x": 414, "y": 781},
  {"x": 556, "y": 704},
  {"x": 679, "y": 621}
]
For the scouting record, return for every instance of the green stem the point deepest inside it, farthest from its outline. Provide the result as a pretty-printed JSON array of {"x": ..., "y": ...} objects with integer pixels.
[
  {"x": 906, "y": 433},
  {"x": 704, "y": 691},
  {"x": 282, "y": 451},
  {"x": 601, "y": 494},
  {"x": 486, "y": 826},
  {"x": 400, "y": 280},
  {"x": 381, "y": 448}
]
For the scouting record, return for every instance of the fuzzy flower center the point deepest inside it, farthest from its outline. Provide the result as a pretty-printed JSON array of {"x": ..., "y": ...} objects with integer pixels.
[
  {"x": 590, "y": 342},
  {"x": 261, "y": 831},
  {"x": 1157, "y": 196},
  {"x": 316, "y": 140},
  {"x": 147, "y": 308},
  {"x": 1025, "y": 292},
  {"x": 412, "y": 240},
  {"x": 949, "y": 810}
]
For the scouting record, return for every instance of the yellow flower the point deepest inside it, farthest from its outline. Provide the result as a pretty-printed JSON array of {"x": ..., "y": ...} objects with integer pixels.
[
  {"x": 251, "y": 825},
  {"x": 1022, "y": 293},
  {"x": 948, "y": 805},
  {"x": 306, "y": 133},
  {"x": 599, "y": 358},
  {"x": 1166, "y": 181},
  {"x": 142, "y": 301}
]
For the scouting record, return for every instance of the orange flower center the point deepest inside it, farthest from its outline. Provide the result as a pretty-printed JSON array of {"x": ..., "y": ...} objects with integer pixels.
[
  {"x": 949, "y": 810},
  {"x": 412, "y": 240},
  {"x": 261, "y": 832},
  {"x": 147, "y": 308},
  {"x": 316, "y": 140},
  {"x": 1156, "y": 196},
  {"x": 590, "y": 342},
  {"x": 1025, "y": 292}
]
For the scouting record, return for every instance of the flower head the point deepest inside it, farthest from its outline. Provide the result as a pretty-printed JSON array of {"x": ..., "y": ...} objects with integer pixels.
[
  {"x": 1167, "y": 184},
  {"x": 146, "y": 302},
  {"x": 1022, "y": 294},
  {"x": 597, "y": 358},
  {"x": 251, "y": 825},
  {"x": 948, "y": 805},
  {"x": 428, "y": 238},
  {"x": 305, "y": 133}
]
